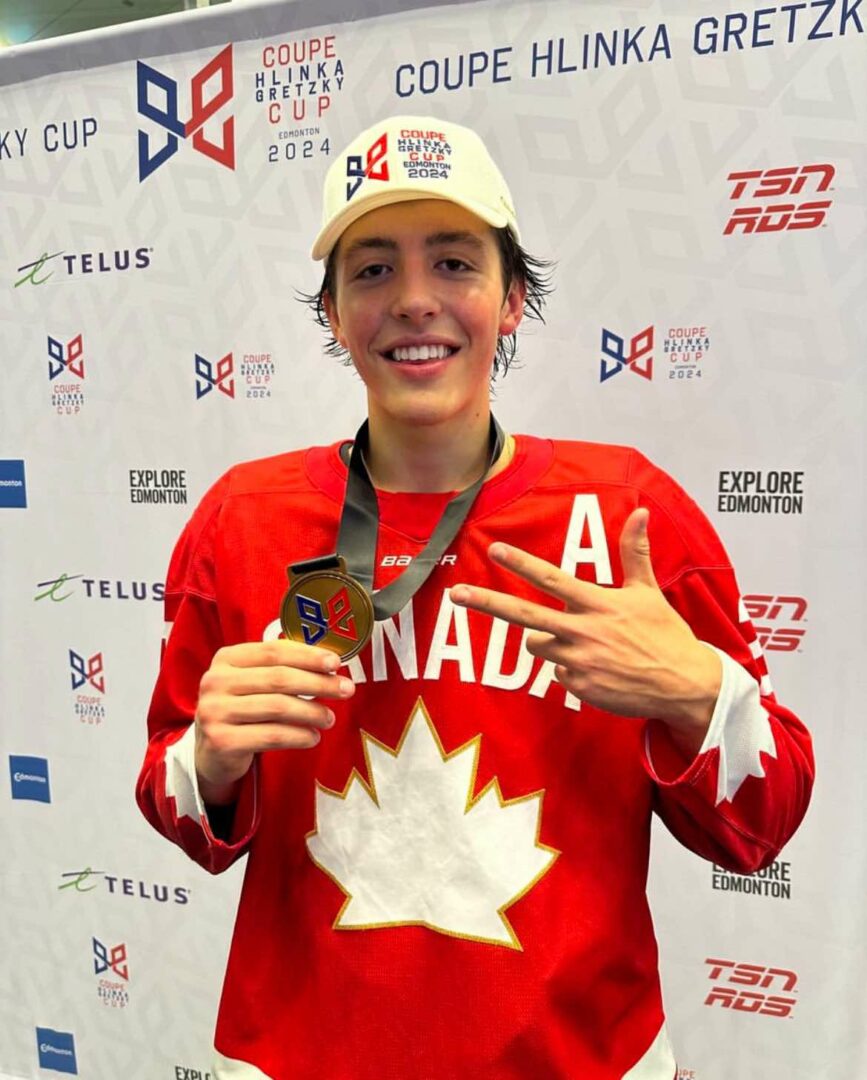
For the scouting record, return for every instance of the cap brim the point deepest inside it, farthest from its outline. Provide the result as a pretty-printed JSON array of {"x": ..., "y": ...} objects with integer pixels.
[{"x": 328, "y": 237}]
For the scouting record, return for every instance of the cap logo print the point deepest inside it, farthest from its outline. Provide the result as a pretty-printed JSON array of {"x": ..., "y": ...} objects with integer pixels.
[{"x": 375, "y": 167}]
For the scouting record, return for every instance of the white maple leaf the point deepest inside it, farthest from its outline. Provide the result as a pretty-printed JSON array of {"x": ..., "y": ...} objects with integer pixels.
[{"x": 414, "y": 847}]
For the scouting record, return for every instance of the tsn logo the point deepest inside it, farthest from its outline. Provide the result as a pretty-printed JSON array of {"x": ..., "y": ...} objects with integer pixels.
[
  {"x": 751, "y": 1001},
  {"x": 405, "y": 560},
  {"x": 755, "y": 184},
  {"x": 789, "y": 609}
]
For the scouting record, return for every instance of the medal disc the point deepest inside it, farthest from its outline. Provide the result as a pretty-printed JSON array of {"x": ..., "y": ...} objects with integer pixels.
[{"x": 328, "y": 608}]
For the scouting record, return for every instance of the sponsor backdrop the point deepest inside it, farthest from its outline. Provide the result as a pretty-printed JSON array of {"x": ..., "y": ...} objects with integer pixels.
[{"x": 696, "y": 171}]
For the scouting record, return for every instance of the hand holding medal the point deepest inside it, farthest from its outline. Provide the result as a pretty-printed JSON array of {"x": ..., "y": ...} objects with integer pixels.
[{"x": 256, "y": 696}]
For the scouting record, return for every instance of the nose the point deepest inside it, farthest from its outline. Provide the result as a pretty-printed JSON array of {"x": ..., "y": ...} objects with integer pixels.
[{"x": 416, "y": 298}]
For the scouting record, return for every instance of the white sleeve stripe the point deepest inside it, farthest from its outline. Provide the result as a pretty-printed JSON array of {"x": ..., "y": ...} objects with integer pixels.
[
  {"x": 658, "y": 1060},
  {"x": 743, "y": 614},
  {"x": 181, "y": 782},
  {"x": 223, "y": 1068},
  {"x": 756, "y": 649},
  {"x": 739, "y": 728},
  {"x": 765, "y": 686}
]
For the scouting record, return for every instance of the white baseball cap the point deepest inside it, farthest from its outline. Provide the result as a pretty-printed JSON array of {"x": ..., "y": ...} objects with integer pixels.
[{"x": 412, "y": 157}]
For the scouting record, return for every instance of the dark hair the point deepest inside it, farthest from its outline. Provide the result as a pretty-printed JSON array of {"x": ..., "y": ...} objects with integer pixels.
[{"x": 517, "y": 265}]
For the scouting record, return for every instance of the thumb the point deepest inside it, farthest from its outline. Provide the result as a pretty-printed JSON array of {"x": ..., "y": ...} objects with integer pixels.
[{"x": 635, "y": 550}]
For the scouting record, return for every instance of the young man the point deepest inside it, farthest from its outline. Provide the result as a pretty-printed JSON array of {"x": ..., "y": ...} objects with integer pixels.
[{"x": 448, "y": 838}]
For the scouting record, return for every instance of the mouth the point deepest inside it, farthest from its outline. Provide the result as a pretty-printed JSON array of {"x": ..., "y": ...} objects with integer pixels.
[{"x": 419, "y": 354}]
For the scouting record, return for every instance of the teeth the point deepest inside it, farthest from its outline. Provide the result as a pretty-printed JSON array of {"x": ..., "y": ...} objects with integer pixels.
[{"x": 420, "y": 353}]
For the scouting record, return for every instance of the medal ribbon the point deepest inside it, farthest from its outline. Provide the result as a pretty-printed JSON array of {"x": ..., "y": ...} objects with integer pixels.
[{"x": 359, "y": 525}]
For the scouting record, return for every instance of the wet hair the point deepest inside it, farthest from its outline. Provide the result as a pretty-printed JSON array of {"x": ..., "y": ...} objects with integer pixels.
[{"x": 517, "y": 265}]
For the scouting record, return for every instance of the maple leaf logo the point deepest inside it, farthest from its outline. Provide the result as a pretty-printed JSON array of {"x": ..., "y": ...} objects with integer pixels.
[{"x": 415, "y": 848}]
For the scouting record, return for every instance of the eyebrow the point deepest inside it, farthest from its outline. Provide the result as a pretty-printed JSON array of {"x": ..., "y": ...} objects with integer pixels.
[{"x": 365, "y": 243}]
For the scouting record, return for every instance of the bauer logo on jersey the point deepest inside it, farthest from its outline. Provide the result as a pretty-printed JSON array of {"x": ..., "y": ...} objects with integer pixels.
[
  {"x": 373, "y": 166},
  {"x": 218, "y": 375},
  {"x": 219, "y": 142},
  {"x": 615, "y": 358},
  {"x": 68, "y": 357}
]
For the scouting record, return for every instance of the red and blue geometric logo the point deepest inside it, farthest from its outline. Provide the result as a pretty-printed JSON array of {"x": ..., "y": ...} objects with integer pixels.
[
  {"x": 211, "y": 376},
  {"x": 316, "y": 622},
  {"x": 373, "y": 167},
  {"x": 113, "y": 959},
  {"x": 87, "y": 670},
  {"x": 165, "y": 114},
  {"x": 69, "y": 357},
  {"x": 615, "y": 359}
]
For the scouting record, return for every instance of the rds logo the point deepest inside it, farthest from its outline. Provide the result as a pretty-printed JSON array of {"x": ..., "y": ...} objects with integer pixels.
[
  {"x": 737, "y": 976},
  {"x": 778, "y": 184}
]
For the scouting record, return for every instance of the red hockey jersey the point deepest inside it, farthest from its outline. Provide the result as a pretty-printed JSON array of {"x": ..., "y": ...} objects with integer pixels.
[{"x": 451, "y": 885}]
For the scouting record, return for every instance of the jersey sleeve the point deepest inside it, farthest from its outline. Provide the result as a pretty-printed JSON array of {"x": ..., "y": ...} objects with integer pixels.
[
  {"x": 167, "y": 790},
  {"x": 740, "y": 799}
]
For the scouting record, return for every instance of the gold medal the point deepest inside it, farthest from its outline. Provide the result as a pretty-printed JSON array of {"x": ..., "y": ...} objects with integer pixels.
[{"x": 326, "y": 607}]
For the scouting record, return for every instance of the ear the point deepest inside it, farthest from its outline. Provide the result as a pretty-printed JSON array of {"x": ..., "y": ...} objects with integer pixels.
[
  {"x": 333, "y": 318},
  {"x": 513, "y": 308}
]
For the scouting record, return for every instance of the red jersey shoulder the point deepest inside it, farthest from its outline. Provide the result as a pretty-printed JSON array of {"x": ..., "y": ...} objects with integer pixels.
[
  {"x": 577, "y": 462},
  {"x": 192, "y": 564},
  {"x": 681, "y": 537}
]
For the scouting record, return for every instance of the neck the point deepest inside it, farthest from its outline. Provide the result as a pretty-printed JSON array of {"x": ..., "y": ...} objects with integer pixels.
[{"x": 431, "y": 457}]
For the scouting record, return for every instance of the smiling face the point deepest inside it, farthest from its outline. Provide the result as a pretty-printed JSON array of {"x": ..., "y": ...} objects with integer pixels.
[{"x": 419, "y": 304}]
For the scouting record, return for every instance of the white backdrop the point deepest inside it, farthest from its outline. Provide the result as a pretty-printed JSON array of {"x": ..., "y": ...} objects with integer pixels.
[{"x": 618, "y": 143}]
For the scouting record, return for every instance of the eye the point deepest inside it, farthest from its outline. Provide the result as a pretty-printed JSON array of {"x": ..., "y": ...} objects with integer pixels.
[
  {"x": 455, "y": 265},
  {"x": 372, "y": 270}
]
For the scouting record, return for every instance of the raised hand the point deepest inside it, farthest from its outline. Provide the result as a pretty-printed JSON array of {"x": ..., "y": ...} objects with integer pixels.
[{"x": 624, "y": 650}]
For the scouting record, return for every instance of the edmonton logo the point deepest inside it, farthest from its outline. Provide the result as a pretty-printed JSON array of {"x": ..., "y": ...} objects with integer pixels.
[
  {"x": 56, "y": 1050},
  {"x": 13, "y": 486},
  {"x": 760, "y": 491},
  {"x": 29, "y": 777},
  {"x": 774, "y": 881},
  {"x": 165, "y": 115},
  {"x": 159, "y": 486}
]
